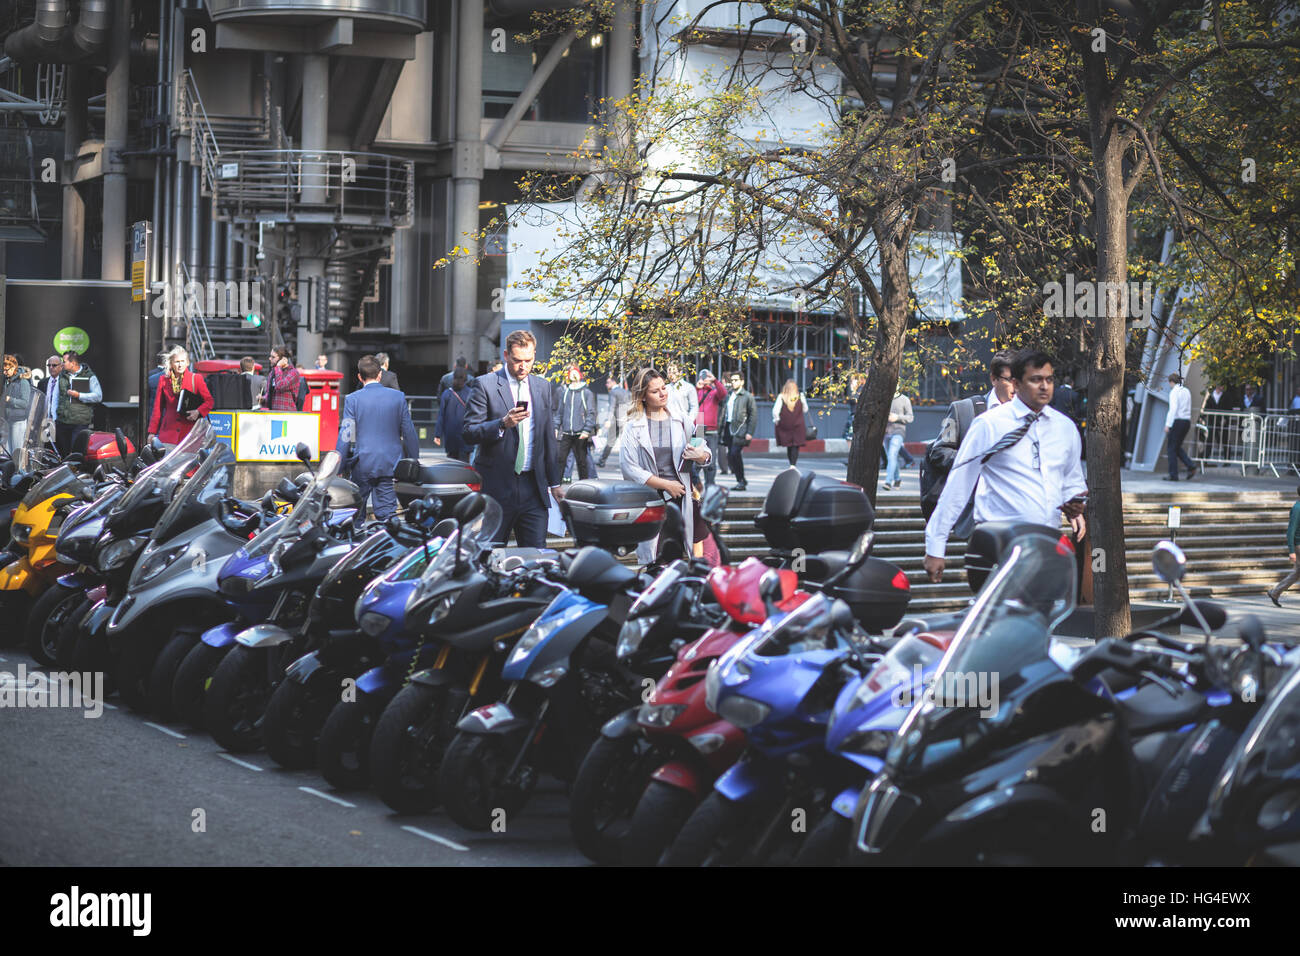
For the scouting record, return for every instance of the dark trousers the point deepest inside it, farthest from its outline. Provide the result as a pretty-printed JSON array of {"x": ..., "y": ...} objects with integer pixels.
[
  {"x": 735, "y": 458},
  {"x": 1178, "y": 432},
  {"x": 456, "y": 450},
  {"x": 65, "y": 434},
  {"x": 523, "y": 513},
  {"x": 615, "y": 430},
  {"x": 380, "y": 492},
  {"x": 709, "y": 472},
  {"x": 570, "y": 442},
  {"x": 724, "y": 459},
  {"x": 792, "y": 454}
]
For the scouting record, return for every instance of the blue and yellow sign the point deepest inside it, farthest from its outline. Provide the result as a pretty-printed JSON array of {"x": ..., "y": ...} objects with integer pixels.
[{"x": 267, "y": 436}]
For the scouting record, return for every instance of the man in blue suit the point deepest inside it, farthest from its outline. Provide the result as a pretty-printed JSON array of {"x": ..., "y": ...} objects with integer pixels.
[
  {"x": 509, "y": 419},
  {"x": 375, "y": 432}
]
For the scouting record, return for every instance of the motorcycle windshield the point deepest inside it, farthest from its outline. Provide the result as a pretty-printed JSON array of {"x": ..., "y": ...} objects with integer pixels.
[
  {"x": 62, "y": 480},
  {"x": 37, "y": 448},
  {"x": 473, "y": 537},
  {"x": 309, "y": 510},
  {"x": 158, "y": 481},
  {"x": 1007, "y": 630},
  {"x": 903, "y": 665},
  {"x": 206, "y": 487},
  {"x": 807, "y": 628},
  {"x": 660, "y": 588}
]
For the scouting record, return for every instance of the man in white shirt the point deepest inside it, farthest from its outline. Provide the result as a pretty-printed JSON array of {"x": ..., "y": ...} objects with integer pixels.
[
  {"x": 1027, "y": 455},
  {"x": 1177, "y": 422}
]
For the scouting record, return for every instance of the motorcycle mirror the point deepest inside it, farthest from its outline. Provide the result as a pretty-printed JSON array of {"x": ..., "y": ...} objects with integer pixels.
[
  {"x": 303, "y": 453},
  {"x": 862, "y": 548},
  {"x": 1169, "y": 562},
  {"x": 713, "y": 504},
  {"x": 268, "y": 502},
  {"x": 7, "y": 472},
  {"x": 394, "y": 525},
  {"x": 842, "y": 618},
  {"x": 769, "y": 589},
  {"x": 158, "y": 447},
  {"x": 432, "y": 505},
  {"x": 1252, "y": 631},
  {"x": 121, "y": 443},
  {"x": 469, "y": 508}
]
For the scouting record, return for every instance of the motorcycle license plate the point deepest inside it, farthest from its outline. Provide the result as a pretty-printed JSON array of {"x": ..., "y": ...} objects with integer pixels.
[{"x": 493, "y": 714}]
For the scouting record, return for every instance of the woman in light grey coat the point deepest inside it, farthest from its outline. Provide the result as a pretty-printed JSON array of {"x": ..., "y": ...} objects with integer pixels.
[{"x": 657, "y": 453}]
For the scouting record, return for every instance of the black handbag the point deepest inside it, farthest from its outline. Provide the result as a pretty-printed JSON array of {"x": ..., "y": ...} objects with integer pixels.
[{"x": 809, "y": 431}]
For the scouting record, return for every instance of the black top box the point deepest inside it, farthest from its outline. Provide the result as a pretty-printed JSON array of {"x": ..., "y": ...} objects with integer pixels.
[
  {"x": 878, "y": 592},
  {"x": 449, "y": 480},
  {"x": 813, "y": 512},
  {"x": 989, "y": 542},
  {"x": 615, "y": 515}
]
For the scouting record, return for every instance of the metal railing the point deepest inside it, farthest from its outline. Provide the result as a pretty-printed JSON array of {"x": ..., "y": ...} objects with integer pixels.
[
  {"x": 1266, "y": 439},
  {"x": 198, "y": 342},
  {"x": 331, "y": 186}
]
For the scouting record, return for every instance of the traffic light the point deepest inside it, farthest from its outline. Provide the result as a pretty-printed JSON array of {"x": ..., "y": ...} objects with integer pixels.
[
  {"x": 286, "y": 313},
  {"x": 253, "y": 320}
]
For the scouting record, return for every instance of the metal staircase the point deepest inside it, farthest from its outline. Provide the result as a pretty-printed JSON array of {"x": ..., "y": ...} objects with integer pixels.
[{"x": 252, "y": 175}]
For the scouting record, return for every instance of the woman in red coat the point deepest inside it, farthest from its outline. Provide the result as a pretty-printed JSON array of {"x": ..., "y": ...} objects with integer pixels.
[{"x": 168, "y": 424}]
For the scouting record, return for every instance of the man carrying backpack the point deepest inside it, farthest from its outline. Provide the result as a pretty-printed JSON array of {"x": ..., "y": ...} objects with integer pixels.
[{"x": 938, "y": 459}]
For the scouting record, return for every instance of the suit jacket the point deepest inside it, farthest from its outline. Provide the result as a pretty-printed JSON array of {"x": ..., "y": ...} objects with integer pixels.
[
  {"x": 745, "y": 416},
  {"x": 388, "y": 379},
  {"x": 637, "y": 460},
  {"x": 490, "y": 398},
  {"x": 1224, "y": 403},
  {"x": 381, "y": 432}
]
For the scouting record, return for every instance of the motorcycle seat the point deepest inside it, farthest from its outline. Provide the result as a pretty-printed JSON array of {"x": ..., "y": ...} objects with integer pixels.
[
  {"x": 594, "y": 567},
  {"x": 1153, "y": 708}
]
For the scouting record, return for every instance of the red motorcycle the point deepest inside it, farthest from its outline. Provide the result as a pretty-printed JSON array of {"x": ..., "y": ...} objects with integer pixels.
[{"x": 676, "y": 745}]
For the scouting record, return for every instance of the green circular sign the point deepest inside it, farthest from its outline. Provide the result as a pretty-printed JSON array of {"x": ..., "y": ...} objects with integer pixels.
[{"x": 71, "y": 339}]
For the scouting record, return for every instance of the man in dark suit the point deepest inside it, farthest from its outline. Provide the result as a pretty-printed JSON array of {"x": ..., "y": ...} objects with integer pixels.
[
  {"x": 387, "y": 379},
  {"x": 740, "y": 415},
  {"x": 1220, "y": 436},
  {"x": 375, "y": 432},
  {"x": 509, "y": 418}
]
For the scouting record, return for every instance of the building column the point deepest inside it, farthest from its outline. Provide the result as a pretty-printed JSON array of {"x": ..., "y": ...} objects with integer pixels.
[
  {"x": 315, "y": 135},
  {"x": 117, "y": 90},
  {"x": 74, "y": 206},
  {"x": 467, "y": 176}
]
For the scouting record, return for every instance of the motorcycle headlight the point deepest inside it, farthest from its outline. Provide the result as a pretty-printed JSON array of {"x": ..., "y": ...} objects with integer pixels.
[
  {"x": 373, "y": 623},
  {"x": 549, "y": 676},
  {"x": 156, "y": 563},
  {"x": 118, "y": 553},
  {"x": 743, "y": 712},
  {"x": 539, "y": 632},
  {"x": 651, "y": 715},
  {"x": 633, "y": 632},
  {"x": 870, "y": 743},
  {"x": 443, "y": 608},
  {"x": 21, "y": 533}
]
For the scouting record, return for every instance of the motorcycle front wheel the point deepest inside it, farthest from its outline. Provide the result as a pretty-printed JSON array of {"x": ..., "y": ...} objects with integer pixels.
[
  {"x": 471, "y": 782},
  {"x": 827, "y": 844},
  {"x": 408, "y": 748},
  {"x": 236, "y": 699},
  {"x": 714, "y": 835},
  {"x": 192, "y": 679},
  {"x": 343, "y": 751},
  {"x": 46, "y": 618},
  {"x": 294, "y": 717},
  {"x": 165, "y": 666},
  {"x": 605, "y": 793},
  {"x": 660, "y": 815}
]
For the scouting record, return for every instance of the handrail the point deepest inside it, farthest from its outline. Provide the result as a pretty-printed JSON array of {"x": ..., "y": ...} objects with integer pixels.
[{"x": 198, "y": 341}]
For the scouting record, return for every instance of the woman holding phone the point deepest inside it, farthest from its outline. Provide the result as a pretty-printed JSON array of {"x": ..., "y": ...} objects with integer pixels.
[{"x": 657, "y": 450}]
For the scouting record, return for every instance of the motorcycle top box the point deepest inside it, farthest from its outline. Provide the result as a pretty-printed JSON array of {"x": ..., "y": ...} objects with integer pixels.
[
  {"x": 449, "y": 480},
  {"x": 614, "y": 515},
  {"x": 988, "y": 545},
  {"x": 877, "y": 591},
  {"x": 813, "y": 512}
]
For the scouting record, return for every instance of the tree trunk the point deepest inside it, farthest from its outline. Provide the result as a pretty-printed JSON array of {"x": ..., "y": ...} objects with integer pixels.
[
  {"x": 1105, "y": 453},
  {"x": 872, "y": 413}
]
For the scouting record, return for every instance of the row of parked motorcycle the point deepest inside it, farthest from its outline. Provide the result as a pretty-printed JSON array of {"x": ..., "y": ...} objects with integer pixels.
[{"x": 698, "y": 715}]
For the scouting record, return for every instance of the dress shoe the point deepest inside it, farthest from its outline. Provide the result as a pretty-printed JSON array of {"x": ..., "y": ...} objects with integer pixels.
[
  {"x": 1169, "y": 478},
  {"x": 1273, "y": 597},
  {"x": 741, "y": 487},
  {"x": 1193, "y": 472}
]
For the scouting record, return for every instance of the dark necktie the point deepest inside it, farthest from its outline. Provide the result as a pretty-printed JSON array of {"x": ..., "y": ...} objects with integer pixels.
[{"x": 1011, "y": 437}]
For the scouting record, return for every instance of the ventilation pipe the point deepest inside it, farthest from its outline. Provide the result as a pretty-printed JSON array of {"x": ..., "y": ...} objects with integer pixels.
[
  {"x": 47, "y": 39},
  {"x": 91, "y": 32}
]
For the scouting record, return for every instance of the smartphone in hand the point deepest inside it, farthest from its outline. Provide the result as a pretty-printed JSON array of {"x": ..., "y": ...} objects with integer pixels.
[{"x": 522, "y": 406}]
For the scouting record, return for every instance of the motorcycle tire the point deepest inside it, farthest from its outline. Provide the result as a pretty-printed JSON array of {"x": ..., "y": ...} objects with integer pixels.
[
  {"x": 15, "y": 610},
  {"x": 660, "y": 815},
  {"x": 605, "y": 793},
  {"x": 343, "y": 751},
  {"x": 134, "y": 669},
  {"x": 827, "y": 844},
  {"x": 47, "y": 616},
  {"x": 163, "y": 675},
  {"x": 292, "y": 726},
  {"x": 470, "y": 780},
  {"x": 713, "y": 835},
  {"x": 404, "y": 773},
  {"x": 236, "y": 699},
  {"x": 65, "y": 641},
  {"x": 191, "y": 682}
]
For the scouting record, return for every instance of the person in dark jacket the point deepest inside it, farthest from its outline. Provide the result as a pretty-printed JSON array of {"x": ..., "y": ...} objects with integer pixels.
[
  {"x": 283, "y": 383},
  {"x": 375, "y": 433},
  {"x": 386, "y": 378},
  {"x": 575, "y": 420},
  {"x": 451, "y": 416},
  {"x": 740, "y": 417},
  {"x": 18, "y": 400},
  {"x": 1292, "y": 533},
  {"x": 74, "y": 414}
]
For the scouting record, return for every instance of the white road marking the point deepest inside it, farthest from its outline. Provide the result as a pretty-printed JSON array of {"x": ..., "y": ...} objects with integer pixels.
[
  {"x": 325, "y": 796},
  {"x": 435, "y": 838},
  {"x": 167, "y": 730},
  {"x": 242, "y": 763}
]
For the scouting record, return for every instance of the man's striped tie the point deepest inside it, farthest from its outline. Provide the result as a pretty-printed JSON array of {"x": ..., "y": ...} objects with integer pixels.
[{"x": 1011, "y": 437}]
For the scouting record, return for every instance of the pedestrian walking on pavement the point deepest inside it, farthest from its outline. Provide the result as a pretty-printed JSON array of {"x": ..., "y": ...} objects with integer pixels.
[
  {"x": 1178, "y": 421},
  {"x": 1292, "y": 533},
  {"x": 789, "y": 418},
  {"x": 18, "y": 399},
  {"x": 712, "y": 396},
  {"x": 682, "y": 394},
  {"x": 375, "y": 433},
  {"x": 738, "y": 426},
  {"x": 900, "y": 415},
  {"x": 451, "y": 416},
  {"x": 575, "y": 421},
  {"x": 619, "y": 400}
]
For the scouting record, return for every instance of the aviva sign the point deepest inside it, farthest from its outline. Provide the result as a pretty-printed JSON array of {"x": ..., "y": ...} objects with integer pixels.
[{"x": 274, "y": 436}]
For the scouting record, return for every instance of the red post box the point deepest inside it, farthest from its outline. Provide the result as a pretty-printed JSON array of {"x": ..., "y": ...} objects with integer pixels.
[{"x": 323, "y": 398}]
